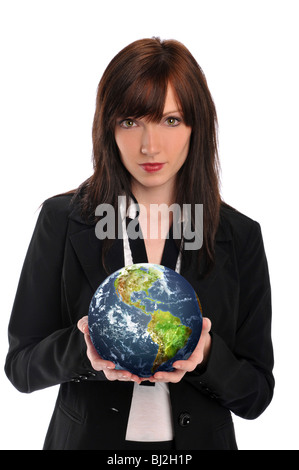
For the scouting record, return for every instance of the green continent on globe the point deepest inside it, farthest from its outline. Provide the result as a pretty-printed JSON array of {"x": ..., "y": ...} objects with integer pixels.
[
  {"x": 134, "y": 279},
  {"x": 168, "y": 332},
  {"x": 165, "y": 329}
]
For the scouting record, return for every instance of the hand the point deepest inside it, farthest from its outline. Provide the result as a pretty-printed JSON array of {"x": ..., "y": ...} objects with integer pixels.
[
  {"x": 100, "y": 364},
  {"x": 199, "y": 355}
]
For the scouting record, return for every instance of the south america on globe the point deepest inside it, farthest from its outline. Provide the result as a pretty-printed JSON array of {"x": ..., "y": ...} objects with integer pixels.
[{"x": 144, "y": 317}]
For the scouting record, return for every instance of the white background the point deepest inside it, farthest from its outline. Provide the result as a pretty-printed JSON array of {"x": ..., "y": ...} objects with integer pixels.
[{"x": 53, "y": 53}]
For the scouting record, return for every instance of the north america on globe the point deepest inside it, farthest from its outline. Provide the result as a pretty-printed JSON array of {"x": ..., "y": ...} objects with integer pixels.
[{"x": 144, "y": 317}]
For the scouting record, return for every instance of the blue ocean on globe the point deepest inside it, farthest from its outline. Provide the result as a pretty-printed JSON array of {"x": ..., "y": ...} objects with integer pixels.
[{"x": 144, "y": 317}]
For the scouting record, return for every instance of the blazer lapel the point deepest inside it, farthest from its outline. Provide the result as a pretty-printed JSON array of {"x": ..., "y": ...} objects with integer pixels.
[
  {"x": 88, "y": 249},
  {"x": 192, "y": 272}
]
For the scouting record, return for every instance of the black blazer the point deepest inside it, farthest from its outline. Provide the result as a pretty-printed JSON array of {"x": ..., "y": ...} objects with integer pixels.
[{"x": 61, "y": 272}]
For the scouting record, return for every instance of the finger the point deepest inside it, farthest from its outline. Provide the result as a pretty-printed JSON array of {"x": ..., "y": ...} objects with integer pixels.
[
  {"x": 127, "y": 376},
  {"x": 122, "y": 376},
  {"x": 197, "y": 355},
  {"x": 190, "y": 364},
  {"x": 172, "y": 377}
]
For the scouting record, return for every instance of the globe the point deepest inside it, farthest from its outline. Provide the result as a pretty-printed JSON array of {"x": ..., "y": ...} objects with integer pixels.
[{"x": 144, "y": 317}]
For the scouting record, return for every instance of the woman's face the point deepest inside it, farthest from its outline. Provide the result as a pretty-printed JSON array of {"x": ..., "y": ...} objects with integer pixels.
[{"x": 154, "y": 152}]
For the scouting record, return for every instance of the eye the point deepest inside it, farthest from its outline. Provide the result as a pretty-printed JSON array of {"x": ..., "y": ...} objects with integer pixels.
[
  {"x": 127, "y": 123},
  {"x": 172, "y": 121}
]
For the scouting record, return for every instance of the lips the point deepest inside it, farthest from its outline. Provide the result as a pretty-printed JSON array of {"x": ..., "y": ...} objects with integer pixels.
[{"x": 152, "y": 167}]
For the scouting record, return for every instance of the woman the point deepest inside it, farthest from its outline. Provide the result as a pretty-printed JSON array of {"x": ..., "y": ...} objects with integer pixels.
[{"x": 154, "y": 142}]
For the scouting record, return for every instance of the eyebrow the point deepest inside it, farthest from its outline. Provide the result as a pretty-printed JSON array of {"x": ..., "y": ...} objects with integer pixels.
[{"x": 171, "y": 112}]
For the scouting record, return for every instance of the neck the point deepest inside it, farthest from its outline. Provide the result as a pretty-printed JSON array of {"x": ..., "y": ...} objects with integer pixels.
[
  {"x": 154, "y": 217},
  {"x": 155, "y": 195}
]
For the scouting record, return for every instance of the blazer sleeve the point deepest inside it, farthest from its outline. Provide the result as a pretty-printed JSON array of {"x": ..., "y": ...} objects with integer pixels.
[
  {"x": 45, "y": 349},
  {"x": 240, "y": 377}
]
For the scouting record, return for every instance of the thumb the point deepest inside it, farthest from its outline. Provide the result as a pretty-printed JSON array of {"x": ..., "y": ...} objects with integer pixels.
[
  {"x": 206, "y": 325},
  {"x": 83, "y": 324}
]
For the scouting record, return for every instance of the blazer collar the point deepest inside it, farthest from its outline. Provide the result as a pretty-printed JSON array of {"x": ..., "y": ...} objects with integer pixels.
[
  {"x": 88, "y": 249},
  {"x": 190, "y": 269},
  {"x": 75, "y": 214}
]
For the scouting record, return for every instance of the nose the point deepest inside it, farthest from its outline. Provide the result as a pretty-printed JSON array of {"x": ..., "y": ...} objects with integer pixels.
[{"x": 150, "y": 143}]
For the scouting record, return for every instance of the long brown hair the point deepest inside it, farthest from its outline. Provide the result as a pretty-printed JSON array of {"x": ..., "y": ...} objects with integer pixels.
[{"x": 134, "y": 85}]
